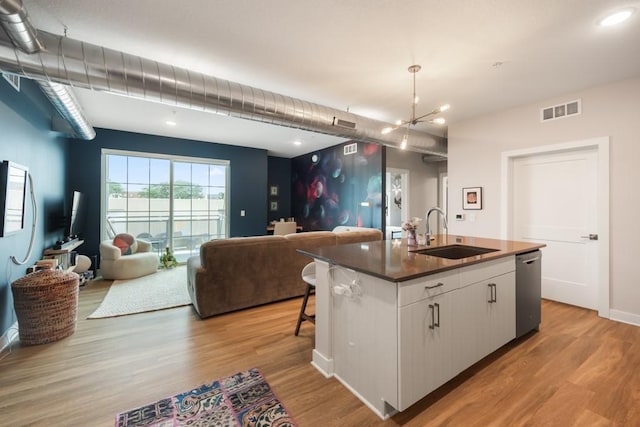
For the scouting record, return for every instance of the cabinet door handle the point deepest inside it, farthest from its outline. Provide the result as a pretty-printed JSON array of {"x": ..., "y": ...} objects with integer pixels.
[
  {"x": 433, "y": 321},
  {"x": 438, "y": 308},
  {"x": 493, "y": 293},
  {"x": 434, "y": 286}
]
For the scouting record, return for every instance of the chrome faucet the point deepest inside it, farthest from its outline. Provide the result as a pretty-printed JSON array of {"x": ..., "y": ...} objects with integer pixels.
[{"x": 444, "y": 218}]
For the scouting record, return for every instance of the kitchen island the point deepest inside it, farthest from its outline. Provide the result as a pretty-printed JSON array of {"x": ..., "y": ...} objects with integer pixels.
[{"x": 393, "y": 324}]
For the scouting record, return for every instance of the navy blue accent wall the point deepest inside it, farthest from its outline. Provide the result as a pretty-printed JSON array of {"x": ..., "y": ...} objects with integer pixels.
[
  {"x": 280, "y": 176},
  {"x": 247, "y": 182},
  {"x": 330, "y": 188},
  {"x": 25, "y": 138}
]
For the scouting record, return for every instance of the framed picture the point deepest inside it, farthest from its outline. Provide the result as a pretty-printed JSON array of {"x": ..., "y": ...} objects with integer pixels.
[
  {"x": 273, "y": 205},
  {"x": 472, "y": 198},
  {"x": 273, "y": 190}
]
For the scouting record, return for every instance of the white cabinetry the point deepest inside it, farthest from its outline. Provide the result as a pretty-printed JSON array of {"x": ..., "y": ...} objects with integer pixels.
[
  {"x": 425, "y": 328},
  {"x": 486, "y": 317},
  {"x": 365, "y": 328},
  {"x": 460, "y": 317},
  {"x": 500, "y": 313},
  {"x": 395, "y": 343}
]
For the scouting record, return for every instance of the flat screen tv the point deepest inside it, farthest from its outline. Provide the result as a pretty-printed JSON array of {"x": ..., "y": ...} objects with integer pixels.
[
  {"x": 77, "y": 214},
  {"x": 13, "y": 189}
]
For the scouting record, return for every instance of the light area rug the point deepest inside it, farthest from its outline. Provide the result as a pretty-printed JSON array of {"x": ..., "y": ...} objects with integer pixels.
[
  {"x": 244, "y": 399},
  {"x": 157, "y": 291}
]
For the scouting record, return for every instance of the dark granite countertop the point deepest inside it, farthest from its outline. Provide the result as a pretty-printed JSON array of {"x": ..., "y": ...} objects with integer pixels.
[{"x": 394, "y": 261}]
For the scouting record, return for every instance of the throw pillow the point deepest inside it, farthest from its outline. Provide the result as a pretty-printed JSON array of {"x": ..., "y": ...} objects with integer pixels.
[{"x": 126, "y": 242}]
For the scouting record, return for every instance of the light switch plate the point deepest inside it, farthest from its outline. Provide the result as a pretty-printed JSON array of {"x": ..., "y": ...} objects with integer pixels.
[{"x": 242, "y": 212}]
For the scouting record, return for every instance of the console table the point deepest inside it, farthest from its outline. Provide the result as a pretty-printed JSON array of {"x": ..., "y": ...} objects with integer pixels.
[
  {"x": 270, "y": 228},
  {"x": 64, "y": 255}
]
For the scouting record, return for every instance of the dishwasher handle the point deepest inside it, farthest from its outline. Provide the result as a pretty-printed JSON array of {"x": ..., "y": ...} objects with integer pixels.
[{"x": 531, "y": 260}]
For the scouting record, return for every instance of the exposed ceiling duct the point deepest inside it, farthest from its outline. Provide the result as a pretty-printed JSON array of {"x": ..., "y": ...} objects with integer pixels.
[
  {"x": 64, "y": 100},
  {"x": 71, "y": 62},
  {"x": 15, "y": 21},
  {"x": 430, "y": 158}
]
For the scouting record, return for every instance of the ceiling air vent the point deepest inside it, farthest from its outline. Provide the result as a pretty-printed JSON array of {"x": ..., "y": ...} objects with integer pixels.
[
  {"x": 13, "y": 80},
  {"x": 343, "y": 123},
  {"x": 571, "y": 108},
  {"x": 350, "y": 149}
]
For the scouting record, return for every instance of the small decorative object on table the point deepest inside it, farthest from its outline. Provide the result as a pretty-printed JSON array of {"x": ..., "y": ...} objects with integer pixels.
[
  {"x": 411, "y": 226},
  {"x": 167, "y": 260}
]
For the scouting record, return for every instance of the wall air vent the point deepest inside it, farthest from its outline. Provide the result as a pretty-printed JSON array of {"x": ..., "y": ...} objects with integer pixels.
[
  {"x": 14, "y": 80},
  {"x": 343, "y": 123},
  {"x": 561, "y": 111},
  {"x": 350, "y": 149}
]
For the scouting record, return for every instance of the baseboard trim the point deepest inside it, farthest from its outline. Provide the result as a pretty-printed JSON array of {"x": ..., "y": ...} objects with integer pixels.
[
  {"x": 624, "y": 317},
  {"x": 322, "y": 364},
  {"x": 383, "y": 416},
  {"x": 9, "y": 336}
]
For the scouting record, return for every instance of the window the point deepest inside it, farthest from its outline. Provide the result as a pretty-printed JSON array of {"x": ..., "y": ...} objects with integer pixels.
[{"x": 168, "y": 201}]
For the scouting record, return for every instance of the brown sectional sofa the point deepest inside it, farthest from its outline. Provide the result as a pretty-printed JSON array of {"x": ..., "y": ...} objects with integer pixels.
[{"x": 241, "y": 272}]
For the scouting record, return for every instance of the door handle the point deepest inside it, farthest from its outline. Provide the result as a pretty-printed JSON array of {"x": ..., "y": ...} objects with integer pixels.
[
  {"x": 590, "y": 237},
  {"x": 433, "y": 319}
]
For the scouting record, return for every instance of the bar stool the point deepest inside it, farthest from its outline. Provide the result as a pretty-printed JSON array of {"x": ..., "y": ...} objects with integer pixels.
[{"x": 309, "y": 277}]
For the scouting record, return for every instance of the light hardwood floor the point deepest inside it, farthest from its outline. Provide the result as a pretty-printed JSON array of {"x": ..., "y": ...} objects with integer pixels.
[{"x": 578, "y": 370}]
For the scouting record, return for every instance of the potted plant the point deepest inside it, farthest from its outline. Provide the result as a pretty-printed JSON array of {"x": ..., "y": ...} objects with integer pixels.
[{"x": 167, "y": 260}]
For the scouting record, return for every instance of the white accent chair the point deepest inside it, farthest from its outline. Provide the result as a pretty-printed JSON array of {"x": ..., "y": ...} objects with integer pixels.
[
  {"x": 115, "y": 266},
  {"x": 283, "y": 228}
]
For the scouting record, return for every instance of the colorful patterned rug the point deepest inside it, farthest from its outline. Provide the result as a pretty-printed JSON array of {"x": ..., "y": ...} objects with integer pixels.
[{"x": 242, "y": 399}]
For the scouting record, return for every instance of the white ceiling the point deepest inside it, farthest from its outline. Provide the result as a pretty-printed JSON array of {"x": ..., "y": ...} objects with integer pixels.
[{"x": 350, "y": 55}]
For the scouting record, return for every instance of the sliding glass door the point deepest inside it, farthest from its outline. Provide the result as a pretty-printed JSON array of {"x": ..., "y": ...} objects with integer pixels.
[{"x": 169, "y": 201}]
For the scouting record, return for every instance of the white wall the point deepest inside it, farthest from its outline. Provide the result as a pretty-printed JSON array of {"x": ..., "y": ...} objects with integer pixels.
[
  {"x": 612, "y": 110},
  {"x": 423, "y": 182}
]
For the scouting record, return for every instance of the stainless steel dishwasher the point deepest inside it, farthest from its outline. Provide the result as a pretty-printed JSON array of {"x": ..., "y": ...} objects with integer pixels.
[{"x": 528, "y": 292}]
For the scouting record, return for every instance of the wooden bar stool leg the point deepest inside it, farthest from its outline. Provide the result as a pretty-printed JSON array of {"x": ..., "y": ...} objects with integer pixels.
[{"x": 303, "y": 316}]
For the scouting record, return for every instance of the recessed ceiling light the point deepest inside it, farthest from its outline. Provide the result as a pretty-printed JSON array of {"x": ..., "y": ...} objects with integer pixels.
[
  {"x": 170, "y": 123},
  {"x": 297, "y": 142},
  {"x": 617, "y": 17}
]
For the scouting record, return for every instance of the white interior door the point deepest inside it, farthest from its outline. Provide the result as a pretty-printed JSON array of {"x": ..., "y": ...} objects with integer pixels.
[{"x": 555, "y": 201}]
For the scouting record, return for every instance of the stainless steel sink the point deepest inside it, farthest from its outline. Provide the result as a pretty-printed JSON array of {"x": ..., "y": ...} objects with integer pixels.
[{"x": 455, "y": 251}]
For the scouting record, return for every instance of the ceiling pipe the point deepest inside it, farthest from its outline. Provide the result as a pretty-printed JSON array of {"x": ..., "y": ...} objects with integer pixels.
[
  {"x": 15, "y": 21},
  {"x": 79, "y": 64}
]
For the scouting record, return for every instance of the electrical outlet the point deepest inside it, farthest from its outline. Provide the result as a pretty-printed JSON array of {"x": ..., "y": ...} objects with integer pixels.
[{"x": 242, "y": 212}]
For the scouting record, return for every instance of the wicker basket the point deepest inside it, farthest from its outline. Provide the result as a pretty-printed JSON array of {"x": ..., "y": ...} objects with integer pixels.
[{"x": 46, "y": 303}]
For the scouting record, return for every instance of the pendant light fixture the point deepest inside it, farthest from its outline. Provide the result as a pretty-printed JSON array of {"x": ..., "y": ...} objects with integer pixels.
[{"x": 414, "y": 120}]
